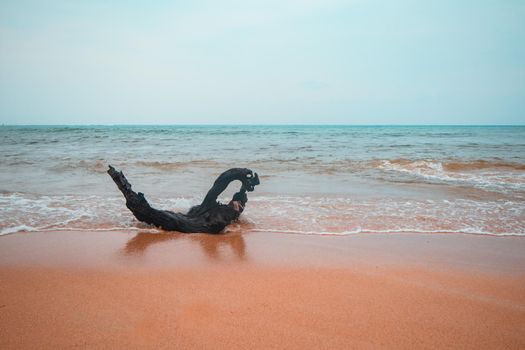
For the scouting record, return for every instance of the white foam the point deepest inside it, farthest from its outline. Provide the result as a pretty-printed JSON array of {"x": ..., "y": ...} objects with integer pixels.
[
  {"x": 14, "y": 229},
  {"x": 358, "y": 231},
  {"x": 320, "y": 215},
  {"x": 486, "y": 179}
]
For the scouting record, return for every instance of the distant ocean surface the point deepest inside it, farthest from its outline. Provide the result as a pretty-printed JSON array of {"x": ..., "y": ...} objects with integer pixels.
[{"x": 314, "y": 179}]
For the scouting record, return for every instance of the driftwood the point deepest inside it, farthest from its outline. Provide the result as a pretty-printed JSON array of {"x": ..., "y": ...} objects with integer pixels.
[{"x": 210, "y": 216}]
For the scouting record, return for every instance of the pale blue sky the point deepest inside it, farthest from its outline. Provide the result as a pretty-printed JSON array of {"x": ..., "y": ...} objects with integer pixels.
[{"x": 272, "y": 61}]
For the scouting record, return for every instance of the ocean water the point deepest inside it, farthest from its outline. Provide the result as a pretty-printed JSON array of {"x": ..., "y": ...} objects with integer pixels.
[{"x": 314, "y": 179}]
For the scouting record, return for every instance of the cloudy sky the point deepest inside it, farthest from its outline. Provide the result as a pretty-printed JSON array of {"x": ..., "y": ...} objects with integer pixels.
[{"x": 253, "y": 62}]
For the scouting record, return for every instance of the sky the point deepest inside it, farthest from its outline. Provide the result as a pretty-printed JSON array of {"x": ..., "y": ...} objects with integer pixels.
[{"x": 262, "y": 62}]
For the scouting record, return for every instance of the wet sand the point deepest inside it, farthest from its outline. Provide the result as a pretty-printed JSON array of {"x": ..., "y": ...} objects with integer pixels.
[{"x": 261, "y": 290}]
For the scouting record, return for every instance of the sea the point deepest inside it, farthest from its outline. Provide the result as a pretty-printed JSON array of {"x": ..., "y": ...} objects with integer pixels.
[{"x": 315, "y": 180}]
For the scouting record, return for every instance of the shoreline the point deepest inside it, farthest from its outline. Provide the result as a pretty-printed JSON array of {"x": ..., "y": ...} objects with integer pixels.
[
  {"x": 155, "y": 230},
  {"x": 123, "y": 289}
]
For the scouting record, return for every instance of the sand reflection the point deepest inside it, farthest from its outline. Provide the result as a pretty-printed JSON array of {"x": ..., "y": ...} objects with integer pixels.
[{"x": 215, "y": 247}]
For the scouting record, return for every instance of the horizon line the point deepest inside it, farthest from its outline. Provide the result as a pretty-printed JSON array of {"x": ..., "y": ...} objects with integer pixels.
[{"x": 254, "y": 124}]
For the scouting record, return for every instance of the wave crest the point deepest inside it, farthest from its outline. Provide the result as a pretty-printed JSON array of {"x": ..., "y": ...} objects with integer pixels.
[
  {"x": 471, "y": 165},
  {"x": 485, "y": 174}
]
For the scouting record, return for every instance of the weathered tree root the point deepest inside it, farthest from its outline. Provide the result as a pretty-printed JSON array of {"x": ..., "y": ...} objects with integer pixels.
[{"x": 210, "y": 216}]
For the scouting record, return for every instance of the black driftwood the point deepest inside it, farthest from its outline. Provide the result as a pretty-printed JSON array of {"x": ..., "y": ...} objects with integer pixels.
[{"x": 210, "y": 216}]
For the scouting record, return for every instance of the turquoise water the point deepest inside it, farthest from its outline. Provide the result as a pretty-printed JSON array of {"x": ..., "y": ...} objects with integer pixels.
[{"x": 315, "y": 179}]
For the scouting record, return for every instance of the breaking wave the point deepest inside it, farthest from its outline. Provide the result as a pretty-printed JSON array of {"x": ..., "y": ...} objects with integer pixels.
[
  {"x": 472, "y": 165},
  {"x": 284, "y": 214},
  {"x": 491, "y": 175}
]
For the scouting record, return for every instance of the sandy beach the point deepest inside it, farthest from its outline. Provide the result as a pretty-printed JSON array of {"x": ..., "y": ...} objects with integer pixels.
[{"x": 261, "y": 290}]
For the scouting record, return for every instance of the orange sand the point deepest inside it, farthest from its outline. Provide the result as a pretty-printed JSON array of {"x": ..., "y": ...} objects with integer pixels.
[{"x": 260, "y": 290}]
